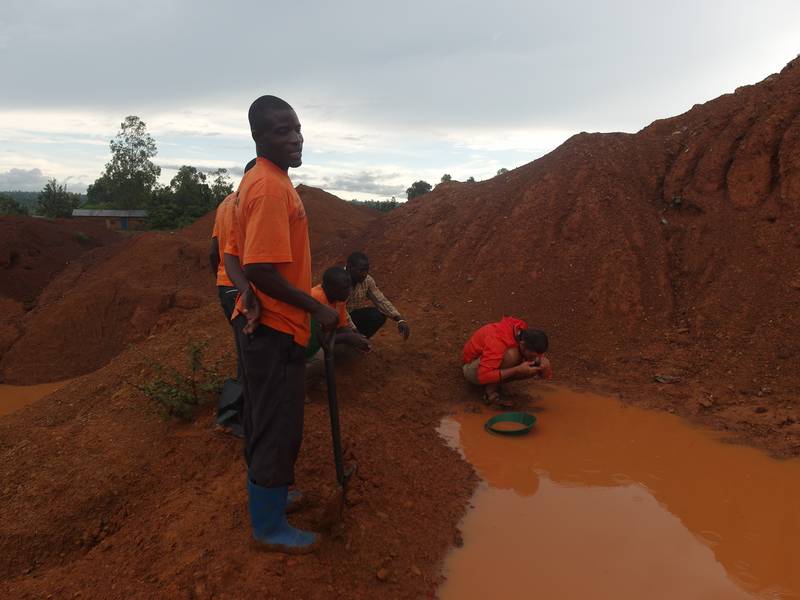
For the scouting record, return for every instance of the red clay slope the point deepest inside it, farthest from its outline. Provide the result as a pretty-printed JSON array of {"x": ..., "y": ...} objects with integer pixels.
[
  {"x": 116, "y": 296},
  {"x": 673, "y": 251},
  {"x": 32, "y": 252}
]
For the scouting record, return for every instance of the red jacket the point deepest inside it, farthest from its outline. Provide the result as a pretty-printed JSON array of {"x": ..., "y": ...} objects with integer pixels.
[{"x": 489, "y": 344}]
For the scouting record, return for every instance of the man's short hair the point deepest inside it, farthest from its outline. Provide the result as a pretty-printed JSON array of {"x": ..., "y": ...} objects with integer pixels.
[
  {"x": 336, "y": 277},
  {"x": 260, "y": 108},
  {"x": 535, "y": 339},
  {"x": 250, "y": 165},
  {"x": 357, "y": 258}
]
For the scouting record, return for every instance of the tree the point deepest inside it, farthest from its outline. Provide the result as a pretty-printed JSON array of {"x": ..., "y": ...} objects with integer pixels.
[
  {"x": 101, "y": 193},
  {"x": 9, "y": 206},
  {"x": 502, "y": 171},
  {"x": 221, "y": 186},
  {"x": 471, "y": 179},
  {"x": 131, "y": 176},
  {"x": 379, "y": 205},
  {"x": 187, "y": 198},
  {"x": 446, "y": 177},
  {"x": 55, "y": 202},
  {"x": 418, "y": 188}
]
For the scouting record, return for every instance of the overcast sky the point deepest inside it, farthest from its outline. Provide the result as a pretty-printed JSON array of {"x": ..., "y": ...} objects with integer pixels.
[{"x": 387, "y": 92}]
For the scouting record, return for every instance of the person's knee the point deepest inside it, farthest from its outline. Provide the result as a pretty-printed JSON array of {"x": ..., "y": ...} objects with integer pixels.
[{"x": 511, "y": 358}]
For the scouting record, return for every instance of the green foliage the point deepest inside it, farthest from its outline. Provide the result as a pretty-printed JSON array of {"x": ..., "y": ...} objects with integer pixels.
[
  {"x": 101, "y": 193},
  {"x": 446, "y": 177},
  {"x": 187, "y": 198},
  {"x": 380, "y": 205},
  {"x": 418, "y": 188},
  {"x": 9, "y": 206},
  {"x": 180, "y": 393},
  {"x": 131, "y": 176},
  {"x": 221, "y": 185},
  {"x": 471, "y": 179},
  {"x": 82, "y": 238},
  {"x": 27, "y": 200},
  {"x": 130, "y": 181},
  {"x": 502, "y": 171},
  {"x": 55, "y": 202}
]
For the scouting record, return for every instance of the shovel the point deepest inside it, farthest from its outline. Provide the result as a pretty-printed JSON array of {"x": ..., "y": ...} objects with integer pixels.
[{"x": 335, "y": 508}]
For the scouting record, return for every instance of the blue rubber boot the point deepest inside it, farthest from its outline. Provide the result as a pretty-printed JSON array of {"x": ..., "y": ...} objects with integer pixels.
[{"x": 270, "y": 527}]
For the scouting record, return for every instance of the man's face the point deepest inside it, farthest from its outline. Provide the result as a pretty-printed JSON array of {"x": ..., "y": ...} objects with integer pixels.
[
  {"x": 529, "y": 355},
  {"x": 340, "y": 293},
  {"x": 281, "y": 140},
  {"x": 358, "y": 272}
]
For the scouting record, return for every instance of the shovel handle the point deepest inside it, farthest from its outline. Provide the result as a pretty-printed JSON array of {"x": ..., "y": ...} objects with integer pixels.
[{"x": 333, "y": 409}]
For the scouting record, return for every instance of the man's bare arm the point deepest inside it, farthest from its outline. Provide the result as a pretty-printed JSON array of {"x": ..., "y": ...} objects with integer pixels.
[
  {"x": 523, "y": 370},
  {"x": 233, "y": 268},
  {"x": 267, "y": 279},
  {"x": 213, "y": 255},
  {"x": 251, "y": 309}
]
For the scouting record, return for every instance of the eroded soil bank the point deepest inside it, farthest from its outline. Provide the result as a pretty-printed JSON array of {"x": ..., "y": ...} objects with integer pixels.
[
  {"x": 605, "y": 500},
  {"x": 14, "y": 397}
]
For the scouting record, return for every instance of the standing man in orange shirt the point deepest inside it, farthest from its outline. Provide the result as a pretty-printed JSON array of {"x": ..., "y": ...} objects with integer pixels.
[{"x": 271, "y": 241}]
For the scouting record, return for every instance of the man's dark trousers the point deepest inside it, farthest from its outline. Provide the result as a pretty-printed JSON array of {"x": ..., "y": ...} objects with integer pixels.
[
  {"x": 368, "y": 320},
  {"x": 273, "y": 368},
  {"x": 227, "y": 299}
]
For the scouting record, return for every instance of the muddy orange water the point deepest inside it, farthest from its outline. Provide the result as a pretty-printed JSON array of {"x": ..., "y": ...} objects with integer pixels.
[
  {"x": 14, "y": 397},
  {"x": 605, "y": 501}
]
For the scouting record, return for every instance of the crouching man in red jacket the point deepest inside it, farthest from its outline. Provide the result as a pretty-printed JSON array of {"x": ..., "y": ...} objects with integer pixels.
[{"x": 505, "y": 351}]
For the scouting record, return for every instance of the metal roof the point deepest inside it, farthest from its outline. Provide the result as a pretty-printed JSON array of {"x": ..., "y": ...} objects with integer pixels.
[{"x": 84, "y": 212}]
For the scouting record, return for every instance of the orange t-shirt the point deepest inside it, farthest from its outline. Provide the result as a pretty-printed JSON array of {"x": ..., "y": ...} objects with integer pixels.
[
  {"x": 318, "y": 293},
  {"x": 221, "y": 232},
  {"x": 269, "y": 225}
]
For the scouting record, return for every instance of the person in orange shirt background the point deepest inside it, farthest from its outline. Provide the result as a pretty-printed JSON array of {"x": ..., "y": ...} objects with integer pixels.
[
  {"x": 334, "y": 291},
  {"x": 229, "y": 407},
  {"x": 271, "y": 242},
  {"x": 505, "y": 351}
]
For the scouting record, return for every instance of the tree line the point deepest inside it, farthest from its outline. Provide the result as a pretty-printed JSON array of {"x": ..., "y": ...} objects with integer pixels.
[
  {"x": 130, "y": 182},
  {"x": 421, "y": 187}
]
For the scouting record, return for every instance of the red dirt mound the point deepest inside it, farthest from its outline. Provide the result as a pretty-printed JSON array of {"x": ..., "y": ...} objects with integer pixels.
[
  {"x": 119, "y": 295},
  {"x": 103, "y": 497},
  {"x": 33, "y": 250},
  {"x": 335, "y": 224},
  {"x": 673, "y": 252}
]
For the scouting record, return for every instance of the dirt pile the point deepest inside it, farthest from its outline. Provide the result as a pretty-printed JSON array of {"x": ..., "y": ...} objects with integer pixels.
[
  {"x": 670, "y": 252},
  {"x": 32, "y": 253},
  {"x": 334, "y": 224},
  {"x": 33, "y": 250},
  {"x": 104, "y": 497},
  {"x": 110, "y": 298}
]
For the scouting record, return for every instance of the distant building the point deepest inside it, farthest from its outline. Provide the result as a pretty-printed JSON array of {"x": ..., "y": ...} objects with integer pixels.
[{"x": 115, "y": 219}]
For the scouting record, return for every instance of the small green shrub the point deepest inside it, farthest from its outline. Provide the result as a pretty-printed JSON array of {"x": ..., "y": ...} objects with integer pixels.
[
  {"x": 82, "y": 238},
  {"x": 180, "y": 393}
]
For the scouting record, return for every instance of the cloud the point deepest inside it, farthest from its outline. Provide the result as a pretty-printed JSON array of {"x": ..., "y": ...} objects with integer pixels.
[
  {"x": 22, "y": 180},
  {"x": 203, "y": 168},
  {"x": 366, "y": 182}
]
